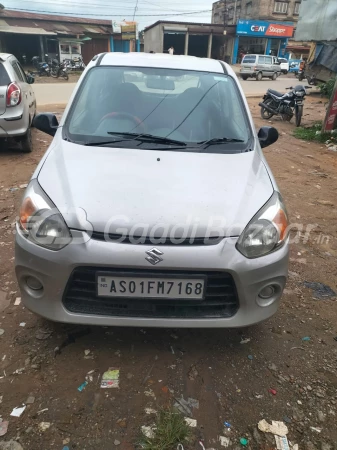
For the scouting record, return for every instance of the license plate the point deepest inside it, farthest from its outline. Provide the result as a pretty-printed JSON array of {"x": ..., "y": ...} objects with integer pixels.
[{"x": 150, "y": 287}]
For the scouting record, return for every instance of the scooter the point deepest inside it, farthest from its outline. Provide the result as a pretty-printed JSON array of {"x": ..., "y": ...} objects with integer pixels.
[{"x": 42, "y": 68}]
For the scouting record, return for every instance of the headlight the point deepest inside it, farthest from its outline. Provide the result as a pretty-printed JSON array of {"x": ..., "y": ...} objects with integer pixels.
[
  {"x": 40, "y": 221},
  {"x": 267, "y": 231}
]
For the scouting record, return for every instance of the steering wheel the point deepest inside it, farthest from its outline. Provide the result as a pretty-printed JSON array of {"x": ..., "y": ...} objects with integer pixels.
[{"x": 139, "y": 124}]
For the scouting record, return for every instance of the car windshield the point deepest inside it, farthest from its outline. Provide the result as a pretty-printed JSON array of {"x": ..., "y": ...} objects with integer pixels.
[{"x": 132, "y": 105}]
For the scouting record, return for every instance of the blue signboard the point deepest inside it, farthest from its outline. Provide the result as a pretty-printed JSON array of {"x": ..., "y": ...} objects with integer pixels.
[{"x": 261, "y": 28}]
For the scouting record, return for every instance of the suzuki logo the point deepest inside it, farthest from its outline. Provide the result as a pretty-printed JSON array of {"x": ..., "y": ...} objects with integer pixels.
[
  {"x": 154, "y": 256},
  {"x": 258, "y": 28}
]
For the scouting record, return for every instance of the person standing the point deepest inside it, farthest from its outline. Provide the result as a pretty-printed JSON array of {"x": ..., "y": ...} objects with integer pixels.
[{"x": 171, "y": 50}]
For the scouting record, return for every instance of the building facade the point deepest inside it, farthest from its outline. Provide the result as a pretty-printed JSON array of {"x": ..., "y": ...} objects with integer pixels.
[
  {"x": 205, "y": 40},
  {"x": 26, "y": 34},
  {"x": 228, "y": 12},
  {"x": 262, "y": 26}
]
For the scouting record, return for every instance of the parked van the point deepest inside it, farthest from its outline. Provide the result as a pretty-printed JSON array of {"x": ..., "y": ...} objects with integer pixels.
[{"x": 259, "y": 66}]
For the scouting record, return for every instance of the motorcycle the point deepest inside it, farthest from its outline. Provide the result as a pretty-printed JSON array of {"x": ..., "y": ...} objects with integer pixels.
[
  {"x": 285, "y": 105},
  {"x": 75, "y": 64},
  {"x": 42, "y": 68},
  {"x": 58, "y": 70}
]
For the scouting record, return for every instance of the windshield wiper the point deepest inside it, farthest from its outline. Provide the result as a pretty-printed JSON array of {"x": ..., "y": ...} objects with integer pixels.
[
  {"x": 136, "y": 137},
  {"x": 149, "y": 138},
  {"x": 222, "y": 140}
]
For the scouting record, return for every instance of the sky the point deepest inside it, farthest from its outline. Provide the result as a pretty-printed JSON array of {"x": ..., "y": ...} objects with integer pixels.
[{"x": 147, "y": 11}]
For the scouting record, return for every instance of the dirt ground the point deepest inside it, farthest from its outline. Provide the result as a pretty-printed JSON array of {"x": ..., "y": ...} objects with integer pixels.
[
  {"x": 230, "y": 379},
  {"x": 73, "y": 78}
]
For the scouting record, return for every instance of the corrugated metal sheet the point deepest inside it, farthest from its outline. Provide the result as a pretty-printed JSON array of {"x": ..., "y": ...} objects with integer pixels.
[
  {"x": 7, "y": 28},
  {"x": 51, "y": 17},
  {"x": 317, "y": 21},
  {"x": 54, "y": 27}
]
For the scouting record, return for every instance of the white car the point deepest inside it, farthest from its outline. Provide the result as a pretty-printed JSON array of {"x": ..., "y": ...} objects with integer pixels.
[
  {"x": 154, "y": 205},
  {"x": 284, "y": 63}
]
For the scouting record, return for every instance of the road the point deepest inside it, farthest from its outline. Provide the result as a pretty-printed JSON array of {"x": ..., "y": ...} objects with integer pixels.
[
  {"x": 59, "y": 93},
  {"x": 238, "y": 376}
]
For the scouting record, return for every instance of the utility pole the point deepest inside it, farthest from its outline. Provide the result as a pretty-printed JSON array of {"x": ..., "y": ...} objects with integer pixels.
[{"x": 234, "y": 14}]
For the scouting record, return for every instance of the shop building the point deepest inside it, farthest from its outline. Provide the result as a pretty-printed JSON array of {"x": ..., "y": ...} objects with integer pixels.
[
  {"x": 26, "y": 34},
  {"x": 204, "y": 40},
  {"x": 261, "y": 37}
]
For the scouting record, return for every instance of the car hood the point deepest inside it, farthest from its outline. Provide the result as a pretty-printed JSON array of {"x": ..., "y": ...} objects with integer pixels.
[{"x": 150, "y": 192}]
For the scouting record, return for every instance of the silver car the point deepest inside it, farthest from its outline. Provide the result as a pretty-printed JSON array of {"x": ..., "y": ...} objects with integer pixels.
[
  {"x": 17, "y": 102},
  {"x": 260, "y": 66},
  {"x": 154, "y": 205}
]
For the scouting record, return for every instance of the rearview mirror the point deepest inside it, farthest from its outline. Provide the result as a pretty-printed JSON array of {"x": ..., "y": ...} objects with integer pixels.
[
  {"x": 267, "y": 136},
  {"x": 46, "y": 122},
  {"x": 160, "y": 83}
]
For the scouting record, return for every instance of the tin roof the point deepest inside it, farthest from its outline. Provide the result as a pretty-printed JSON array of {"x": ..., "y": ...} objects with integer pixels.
[
  {"x": 8, "y": 13},
  {"x": 47, "y": 24}
]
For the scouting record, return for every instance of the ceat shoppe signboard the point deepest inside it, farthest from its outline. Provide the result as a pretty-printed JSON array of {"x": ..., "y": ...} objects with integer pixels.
[{"x": 260, "y": 28}]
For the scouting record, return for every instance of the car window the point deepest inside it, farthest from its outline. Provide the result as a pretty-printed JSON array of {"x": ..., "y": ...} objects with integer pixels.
[
  {"x": 268, "y": 60},
  {"x": 177, "y": 104},
  {"x": 283, "y": 60},
  {"x": 4, "y": 78},
  {"x": 262, "y": 60},
  {"x": 17, "y": 71},
  {"x": 249, "y": 59},
  {"x": 22, "y": 71}
]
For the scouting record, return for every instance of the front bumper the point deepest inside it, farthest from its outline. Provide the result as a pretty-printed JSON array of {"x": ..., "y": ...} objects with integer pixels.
[{"x": 54, "y": 269}]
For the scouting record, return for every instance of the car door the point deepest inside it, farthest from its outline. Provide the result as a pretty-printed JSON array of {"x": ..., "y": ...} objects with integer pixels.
[
  {"x": 30, "y": 92},
  {"x": 269, "y": 66},
  {"x": 261, "y": 66}
]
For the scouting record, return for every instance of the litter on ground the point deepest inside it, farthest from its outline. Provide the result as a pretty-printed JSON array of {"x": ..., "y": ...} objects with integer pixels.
[
  {"x": 18, "y": 411},
  {"x": 148, "y": 431},
  {"x": 190, "y": 422},
  {"x": 3, "y": 428},
  {"x": 43, "y": 426},
  {"x": 110, "y": 378},
  {"x": 278, "y": 428},
  {"x": 224, "y": 441}
]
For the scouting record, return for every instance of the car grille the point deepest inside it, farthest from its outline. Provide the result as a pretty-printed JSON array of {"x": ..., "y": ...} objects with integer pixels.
[
  {"x": 147, "y": 240},
  {"x": 220, "y": 300}
]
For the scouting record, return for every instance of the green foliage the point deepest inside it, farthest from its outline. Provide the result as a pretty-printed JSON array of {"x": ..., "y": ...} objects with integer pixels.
[
  {"x": 171, "y": 430},
  {"x": 312, "y": 133},
  {"x": 327, "y": 88}
]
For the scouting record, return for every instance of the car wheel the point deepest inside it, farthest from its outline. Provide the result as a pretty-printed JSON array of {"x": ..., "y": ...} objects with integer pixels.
[
  {"x": 244, "y": 77},
  {"x": 259, "y": 76},
  {"x": 27, "y": 142},
  {"x": 274, "y": 76},
  {"x": 285, "y": 72}
]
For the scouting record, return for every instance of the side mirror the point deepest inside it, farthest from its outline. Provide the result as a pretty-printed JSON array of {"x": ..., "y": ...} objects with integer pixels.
[
  {"x": 30, "y": 78},
  {"x": 267, "y": 136},
  {"x": 46, "y": 122}
]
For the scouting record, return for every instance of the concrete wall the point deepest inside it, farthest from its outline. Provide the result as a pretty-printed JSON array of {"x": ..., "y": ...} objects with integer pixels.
[
  {"x": 153, "y": 39},
  {"x": 252, "y": 9}
]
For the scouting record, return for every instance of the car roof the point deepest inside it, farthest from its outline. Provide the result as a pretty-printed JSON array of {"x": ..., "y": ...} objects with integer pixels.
[
  {"x": 162, "y": 60},
  {"x": 4, "y": 56}
]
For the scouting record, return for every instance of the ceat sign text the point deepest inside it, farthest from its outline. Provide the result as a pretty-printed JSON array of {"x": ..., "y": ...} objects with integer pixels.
[
  {"x": 273, "y": 30},
  {"x": 257, "y": 28}
]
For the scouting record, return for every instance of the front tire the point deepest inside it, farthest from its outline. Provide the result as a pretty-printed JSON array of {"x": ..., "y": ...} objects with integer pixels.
[
  {"x": 65, "y": 76},
  {"x": 274, "y": 76},
  {"x": 259, "y": 76},
  {"x": 244, "y": 77},
  {"x": 54, "y": 73},
  {"x": 264, "y": 113},
  {"x": 298, "y": 115},
  {"x": 27, "y": 142}
]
